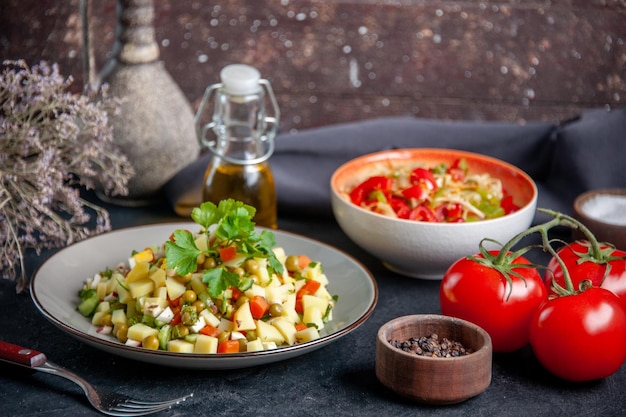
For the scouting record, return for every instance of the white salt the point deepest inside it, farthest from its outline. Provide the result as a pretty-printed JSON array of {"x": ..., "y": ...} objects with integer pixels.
[{"x": 608, "y": 208}]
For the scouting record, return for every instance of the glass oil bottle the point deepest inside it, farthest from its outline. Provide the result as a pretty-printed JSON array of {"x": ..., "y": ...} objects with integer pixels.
[{"x": 240, "y": 133}]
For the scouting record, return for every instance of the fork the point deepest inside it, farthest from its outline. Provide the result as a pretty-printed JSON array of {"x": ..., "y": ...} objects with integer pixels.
[{"x": 108, "y": 403}]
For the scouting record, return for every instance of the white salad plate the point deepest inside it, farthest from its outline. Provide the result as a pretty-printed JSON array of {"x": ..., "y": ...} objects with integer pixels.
[{"x": 55, "y": 285}]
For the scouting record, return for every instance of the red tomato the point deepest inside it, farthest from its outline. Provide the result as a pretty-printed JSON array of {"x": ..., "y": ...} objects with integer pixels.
[
  {"x": 580, "y": 337},
  {"x": 481, "y": 294},
  {"x": 576, "y": 257}
]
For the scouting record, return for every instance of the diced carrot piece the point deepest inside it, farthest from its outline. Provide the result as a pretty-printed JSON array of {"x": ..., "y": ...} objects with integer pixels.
[
  {"x": 300, "y": 326},
  {"x": 209, "y": 330},
  {"x": 235, "y": 293},
  {"x": 259, "y": 306},
  {"x": 228, "y": 346},
  {"x": 228, "y": 253},
  {"x": 303, "y": 261},
  {"x": 309, "y": 288}
]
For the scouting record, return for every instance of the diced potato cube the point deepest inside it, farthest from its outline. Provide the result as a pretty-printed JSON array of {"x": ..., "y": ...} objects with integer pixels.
[
  {"x": 313, "y": 271},
  {"x": 140, "y": 331},
  {"x": 225, "y": 325},
  {"x": 98, "y": 316},
  {"x": 263, "y": 275},
  {"x": 112, "y": 283},
  {"x": 175, "y": 288},
  {"x": 268, "y": 333},
  {"x": 131, "y": 307},
  {"x": 306, "y": 335},
  {"x": 286, "y": 328},
  {"x": 290, "y": 301},
  {"x": 299, "y": 283},
  {"x": 197, "y": 284},
  {"x": 255, "y": 290},
  {"x": 160, "y": 292},
  {"x": 277, "y": 294},
  {"x": 140, "y": 271},
  {"x": 254, "y": 345},
  {"x": 205, "y": 344},
  {"x": 103, "y": 306},
  {"x": 153, "y": 306},
  {"x": 118, "y": 316},
  {"x": 202, "y": 242},
  {"x": 157, "y": 275},
  {"x": 210, "y": 318},
  {"x": 180, "y": 346},
  {"x": 269, "y": 345},
  {"x": 141, "y": 287},
  {"x": 322, "y": 279},
  {"x": 101, "y": 289},
  {"x": 313, "y": 315},
  {"x": 314, "y": 301},
  {"x": 242, "y": 319},
  {"x": 322, "y": 292},
  {"x": 280, "y": 254},
  {"x": 123, "y": 295}
]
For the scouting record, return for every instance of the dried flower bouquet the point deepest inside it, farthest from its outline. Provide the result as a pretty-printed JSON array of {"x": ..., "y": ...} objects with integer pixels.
[{"x": 52, "y": 143}]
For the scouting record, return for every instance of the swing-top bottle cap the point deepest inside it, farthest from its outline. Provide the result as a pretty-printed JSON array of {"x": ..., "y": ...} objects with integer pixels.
[{"x": 240, "y": 79}]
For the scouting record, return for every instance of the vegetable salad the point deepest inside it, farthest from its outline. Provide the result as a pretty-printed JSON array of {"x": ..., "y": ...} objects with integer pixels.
[
  {"x": 439, "y": 194},
  {"x": 223, "y": 289}
]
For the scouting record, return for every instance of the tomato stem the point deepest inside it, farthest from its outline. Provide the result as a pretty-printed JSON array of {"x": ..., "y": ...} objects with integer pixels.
[
  {"x": 559, "y": 219},
  {"x": 503, "y": 260},
  {"x": 595, "y": 245}
]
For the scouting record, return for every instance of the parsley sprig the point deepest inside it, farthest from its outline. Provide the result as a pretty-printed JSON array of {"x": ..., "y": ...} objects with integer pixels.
[{"x": 227, "y": 224}]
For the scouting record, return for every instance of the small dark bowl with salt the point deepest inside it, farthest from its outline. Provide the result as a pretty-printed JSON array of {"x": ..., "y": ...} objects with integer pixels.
[
  {"x": 603, "y": 212},
  {"x": 427, "y": 378}
]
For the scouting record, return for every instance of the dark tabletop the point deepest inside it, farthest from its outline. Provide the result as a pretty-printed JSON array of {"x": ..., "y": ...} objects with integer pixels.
[{"x": 337, "y": 380}]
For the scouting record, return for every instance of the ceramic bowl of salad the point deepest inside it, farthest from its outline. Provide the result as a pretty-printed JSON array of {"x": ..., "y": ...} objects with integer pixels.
[{"x": 419, "y": 210}]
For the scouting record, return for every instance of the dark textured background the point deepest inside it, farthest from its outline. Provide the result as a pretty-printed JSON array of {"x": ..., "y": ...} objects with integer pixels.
[{"x": 343, "y": 60}]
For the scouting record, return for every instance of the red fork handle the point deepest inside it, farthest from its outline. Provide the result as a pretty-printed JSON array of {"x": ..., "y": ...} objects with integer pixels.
[{"x": 20, "y": 355}]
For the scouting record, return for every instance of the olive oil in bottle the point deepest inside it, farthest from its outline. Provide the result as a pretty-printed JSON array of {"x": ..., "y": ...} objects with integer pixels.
[
  {"x": 241, "y": 137},
  {"x": 251, "y": 184}
]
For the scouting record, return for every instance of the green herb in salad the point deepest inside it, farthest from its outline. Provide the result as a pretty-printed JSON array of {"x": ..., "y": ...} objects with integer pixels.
[{"x": 228, "y": 224}]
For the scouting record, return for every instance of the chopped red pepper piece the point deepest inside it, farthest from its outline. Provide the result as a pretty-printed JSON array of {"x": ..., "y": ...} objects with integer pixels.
[
  {"x": 424, "y": 214},
  {"x": 508, "y": 205},
  {"x": 424, "y": 176},
  {"x": 400, "y": 207},
  {"x": 361, "y": 193},
  {"x": 416, "y": 191}
]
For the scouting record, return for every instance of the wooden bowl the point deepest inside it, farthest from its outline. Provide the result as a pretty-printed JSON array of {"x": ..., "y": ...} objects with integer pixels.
[
  {"x": 434, "y": 380},
  {"x": 603, "y": 212}
]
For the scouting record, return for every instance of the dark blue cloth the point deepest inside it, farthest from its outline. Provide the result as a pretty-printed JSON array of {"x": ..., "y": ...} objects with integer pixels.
[{"x": 566, "y": 159}]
